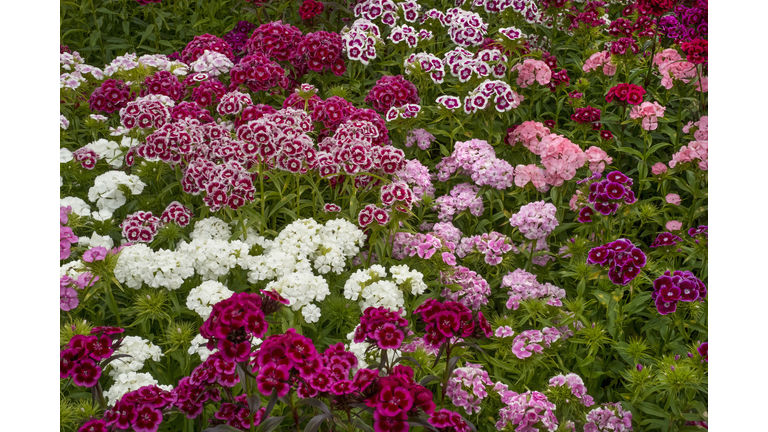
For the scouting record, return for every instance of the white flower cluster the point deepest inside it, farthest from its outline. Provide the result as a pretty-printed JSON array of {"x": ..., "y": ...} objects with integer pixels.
[
  {"x": 138, "y": 264},
  {"x": 202, "y": 298},
  {"x": 108, "y": 150},
  {"x": 128, "y": 382},
  {"x": 211, "y": 228},
  {"x": 69, "y": 269},
  {"x": 108, "y": 196},
  {"x": 291, "y": 255},
  {"x": 79, "y": 207},
  {"x": 139, "y": 350},
  {"x": 161, "y": 62},
  {"x": 213, "y": 258},
  {"x": 96, "y": 240},
  {"x": 375, "y": 291},
  {"x": 212, "y": 63}
]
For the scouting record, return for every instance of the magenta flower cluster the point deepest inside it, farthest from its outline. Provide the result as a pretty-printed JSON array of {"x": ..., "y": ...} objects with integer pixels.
[
  {"x": 474, "y": 291},
  {"x": 527, "y": 411},
  {"x": 624, "y": 260},
  {"x": 382, "y": 327},
  {"x": 392, "y": 91},
  {"x": 141, "y": 227},
  {"x": 609, "y": 417},
  {"x": 676, "y": 286},
  {"x": 82, "y": 359},
  {"x": 447, "y": 320},
  {"x": 607, "y": 194},
  {"x": 233, "y": 323},
  {"x": 576, "y": 385}
]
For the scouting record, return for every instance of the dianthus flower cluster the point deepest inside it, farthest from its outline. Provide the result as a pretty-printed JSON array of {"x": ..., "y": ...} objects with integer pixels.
[
  {"x": 609, "y": 417},
  {"x": 626, "y": 94},
  {"x": 375, "y": 289},
  {"x": 463, "y": 64},
  {"x": 527, "y": 411},
  {"x": 87, "y": 157},
  {"x": 530, "y": 71},
  {"x": 281, "y": 359},
  {"x": 406, "y": 111},
  {"x": 66, "y": 236},
  {"x": 397, "y": 397},
  {"x": 373, "y": 9},
  {"x": 176, "y": 212},
  {"x": 450, "y": 103},
  {"x": 189, "y": 110},
  {"x": 649, "y": 112},
  {"x": 233, "y": 323},
  {"x": 492, "y": 245},
  {"x": 561, "y": 158},
  {"x": 82, "y": 359},
  {"x": 383, "y": 327},
  {"x": 462, "y": 197},
  {"x": 588, "y": 115},
  {"x": 140, "y": 410},
  {"x": 465, "y": 28},
  {"x": 205, "y": 42},
  {"x": 624, "y": 260},
  {"x": 110, "y": 96},
  {"x": 237, "y": 414},
  {"x": 600, "y": 59},
  {"x": 202, "y": 298},
  {"x": 392, "y": 91},
  {"x": 146, "y": 112},
  {"x": 209, "y": 92},
  {"x": 503, "y": 96},
  {"x": 474, "y": 291},
  {"x": 576, "y": 386},
  {"x": 622, "y": 46},
  {"x": 447, "y": 320},
  {"x": 238, "y": 37},
  {"x": 532, "y": 342},
  {"x": 672, "y": 68},
  {"x": 448, "y": 421},
  {"x": 420, "y": 137},
  {"x": 535, "y": 220},
  {"x": 310, "y": 8},
  {"x": 360, "y": 40},
  {"x": 701, "y": 127},
  {"x": 560, "y": 79},
  {"x": 676, "y": 286},
  {"x": 275, "y": 40},
  {"x": 404, "y": 33},
  {"x": 397, "y": 196},
  {"x": 410, "y": 245},
  {"x": 212, "y": 63},
  {"x": 467, "y": 387},
  {"x": 477, "y": 159},
  {"x": 140, "y": 227},
  {"x": 323, "y": 51},
  {"x": 259, "y": 73},
  {"x": 665, "y": 239},
  {"x": 691, "y": 152},
  {"x": 688, "y": 23},
  {"x": 597, "y": 159},
  {"x": 107, "y": 194},
  {"x": 425, "y": 63},
  {"x": 522, "y": 285},
  {"x": 607, "y": 194},
  {"x": 163, "y": 83}
]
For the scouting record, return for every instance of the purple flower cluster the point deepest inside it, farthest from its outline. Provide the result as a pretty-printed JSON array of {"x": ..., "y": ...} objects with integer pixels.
[
  {"x": 409, "y": 245},
  {"x": 238, "y": 37},
  {"x": 474, "y": 290},
  {"x": 233, "y": 323},
  {"x": 463, "y": 196},
  {"x": 676, "y": 286},
  {"x": 575, "y": 384},
  {"x": 380, "y": 326},
  {"x": 522, "y": 285},
  {"x": 607, "y": 194},
  {"x": 447, "y": 320},
  {"x": 622, "y": 257},
  {"x": 530, "y": 342},
  {"x": 665, "y": 239},
  {"x": 687, "y": 23},
  {"x": 140, "y": 410},
  {"x": 492, "y": 245},
  {"x": 82, "y": 359},
  {"x": 467, "y": 387},
  {"x": 66, "y": 235},
  {"x": 110, "y": 96},
  {"x": 477, "y": 159},
  {"x": 527, "y": 411},
  {"x": 610, "y": 417}
]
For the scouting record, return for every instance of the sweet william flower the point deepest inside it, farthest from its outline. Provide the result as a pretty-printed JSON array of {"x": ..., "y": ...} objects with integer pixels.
[
  {"x": 674, "y": 225},
  {"x": 86, "y": 373},
  {"x": 673, "y": 199},
  {"x": 658, "y": 168},
  {"x": 95, "y": 425},
  {"x": 95, "y": 254}
]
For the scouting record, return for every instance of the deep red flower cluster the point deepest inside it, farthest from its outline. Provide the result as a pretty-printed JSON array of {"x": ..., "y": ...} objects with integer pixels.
[
  {"x": 191, "y": 398},
  {"x": 626, "y": 93},
  {"x": 323, "y": 50},
  {"x": 191, "y": 111},
  {"x": 277, "y": 40},
  {"x": 655, "y": 7},
  {"x": 448, "y": 421},
  {"x": 253, "y": 112},
  {"x": 559, "y": 78},
  {"x": 392, "y": 91},
  {"x": 208, "y": 92},
  {"x": 258, "y": 72},
  {"x": 398, "y": 196},
  {"x": 140, "y": 410},
  {"x": 448, "y": 320},
  {"x": 177, "y": 213},
  {"x": 622, "y": 45},
  {"x": 110, "y": 96},
  {"x": 238, "y": 37},
  {"x": 81, "y": 360},
  {"x": 283, "y": 357},
  {"x": 206, "y": 42},
  {"x": 624, "y": 260},
  {"x": 332, "y": 111},
  {"x": 382, "y": 327},
  {"x": 697, "y": 51},
  {"x": 237, "y": 414},
  {"x": 587, "y": 115},
  {"x": 310, "y": 8},
  {"x": 172, "y": 141},
  {"x": 397, "y": 397},
  {"x": 141, "y": 226},
  {"x": 163, "y": 83},
  {"x": 144, "y": 113},
  {"x": 232, "y": 325}
]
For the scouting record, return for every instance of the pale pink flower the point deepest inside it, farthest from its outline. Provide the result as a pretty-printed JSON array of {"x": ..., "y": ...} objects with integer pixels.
[
  {"x": 529, "y": 134},
  {"x": 597, "y": 159},
  {"x": 649, "y": 112},
  {"x": 602, "y": 58},
  {"x": 674, "y": 225},
  {"x": 531, "y": 70},
  {"x": 658, "y": 168},
  {"x": 673, "y": 199},
  {"x": 531, "y": 173}
]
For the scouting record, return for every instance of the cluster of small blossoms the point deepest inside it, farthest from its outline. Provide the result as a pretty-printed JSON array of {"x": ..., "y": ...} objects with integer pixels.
[
  {"x": 462, "y": 197},
  {"x": 694, "y": 151},
  {"x": 205, "y": 93},
  {"x": 447, "y": 320},
  {"x": 474, "y": 290},
  {"x": 492, "y": 245},
  {"x": 310, "y": 8},
  {"x": 360, "y": 40},
  {"x": 397, "y": 196},
  {"x": 275, "y": 40},
  {"x": 128, "y": 382},
  {"x": 202, "y": 298},
  {"x": 405, "y": 111},
  {"x": 177, "y": 213},
  {"x": 465, "y": 28},
  {"x": 609, "y": 417},
  {"x": 110, "y": 96},
  {"x": 597, "y": 159},
  {"x": 410, "y": 245},
  {"x": 373, "y": 9},
  {"x": 624, "y": 260},
  {"x": 575, "y": 384},
  {"x": 600, "y": 59},
  {"x": 383, "y": 327},
  {"x": 146, "y": 112},
  {"x": 140, "y": 410},
  {"x": 530, "y": 71},
  {"x": 392, "y": 91},
  {"x": 82, "y": 359},
  {"x": 323, "y": 51},
  {"x": 420, "y": 137},
  {"x": 701, "y": 128},
  {"x": 125, "y": 370},
  {"x": 649, "y": 112},
  {"x": 587, "y": 115},
  {"x": 212, "y": 63},
  {"x": 371, "y": 213},
  {"x": 535, "y": 220},
  {"x": 282, "y": 357},
  {"x": 87, "y": 157},
  {"x": 418, "y": 177},
  {"x": 67, "y": 237},
  {"x": 375, "y": 289},
  {"x": 504, "y": 97},
  {"x": 194, "y": 391},
  {"x": 404, "y": 33},
  {"x": 163, "y": 83},
  {"x": 198, "y": 46},
  {"x": 529, "y": 134},
  {"x": 279, "y": 139},
  {"x": 259, "y": 73},
  {"x": 477, "y": 159},
  {"x": 107, "y": 194},
  {"x": 451, "y": 103},
  {"x": 397, "y": 398},
  {"x": 626, "y": 94},
  {"x": 607, "y": 194},
  {"x": 676, "y": 286},
  {"x": 673, "y": 68},
  {"x": 522, "y": 285},
  {"x": 448, "y": 421},
  {"x": 527, "y": 411},
  {"x": 560, "y": 157},
  {"x": 426, "y": 63},
  {"x": 530, "y": 342},
  {"x": 140, "y": 227},
  {"x": 467, "y": 387},
  {"x": 463, "y": 64},
  {"x": 232, "y": 324},
  {"x": 238, "y": 37}
]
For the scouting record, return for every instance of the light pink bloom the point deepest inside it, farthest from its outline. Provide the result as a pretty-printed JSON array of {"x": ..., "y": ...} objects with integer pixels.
[
  {"x": 658, "y": 168},
  {"x": 674, "y": 225},
  {"x": 597, "y": 159},
  {"x": 602, "y": 58},
  {"x": 673, "y": 199},
  {"x": 531, "y": 70}
]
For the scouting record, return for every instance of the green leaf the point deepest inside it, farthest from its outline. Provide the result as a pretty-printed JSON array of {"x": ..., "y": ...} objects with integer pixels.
[{"x": 651, "y": 409}]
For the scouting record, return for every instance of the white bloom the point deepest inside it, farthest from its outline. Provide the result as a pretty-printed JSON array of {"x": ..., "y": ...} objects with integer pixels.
[
  {"x": 132, "y": 265},
  {"x": 199, "y": 347},
  {"x": 139, "y": 350},
  {"x": 202, "y": 298},
  {"x": 311, "y": 313},
  {"x": 63, "y": 122},
  {"x": 109, "y": 150},
  {"x": 65, "y": 155},
  {"x": 69, "y": 269},
  {"x": 96, "y": 240},
  {"x": 211, "y": 228},
  {"x": 128, "y": 382},
  {"x": 106, "y": 194},
  {"x": 213, "y": 63}
]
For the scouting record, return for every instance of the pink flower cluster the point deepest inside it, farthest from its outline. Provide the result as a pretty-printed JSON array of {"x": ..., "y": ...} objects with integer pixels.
[
  {"x": 535, "y": 220},
  {"x": 206, "y": 42},
  {"x": 466, "y": 387},
  {"x": 527, "y": 411},
  {"x": 575, "y": 384},
  {"x": 624, "y": 259},
  {"x": 140, "y": 227},
  {"x": 600, "y": 59},
  {"x": 409, "y": 245},
  {"x": 474, "y": 290},
  {"x": 561, "y": 158},
  {"x": 277, "y": 40},
  {"x": 649, "y": 112},
  {"x": 448, "y": 421},
  {"x": 282, "y": 358},
  {"x": 280, "y": 140},
  {"x": 530, "y": 71},
  {"x": 66, "y": 235},
  {"x": 259, "y": 73},
  {"x": 676, "y": 286},
  {"x": 206, "y": 93},
  {"x": 140, "y": 410},
  {"x": 110, "y": 96},
  {"x": 522, "y": 285},
  {"x": 530, "y": 341},
  {"x": 310, "y": 8},
  {"x": 323, "y": 50},
  {"x": 392, "y": 91},
  {"x": 462, "y": 197},
  {"x": 610, "y": 417},
  {"x": 238, "y": 415},
  {"x": 693, "y": 151},
  {"x": 529, "y": 134},
  {"x": 702, "y": 128},
  {"x": 87, "y": 157},
  {"x": 665, "y": 239},
  {"x": 233, "y": 323},
  {"x": 145, "y": 112},
  {"x": 421, "y": 137},
  {"x": 82, "y": 359},
  {"x": 477, "y": 159},
  {"x": 449, "y": 319},
  {"x": 597, "y": 159},
  {"x": 418, "y": 177},
  {"x": 194, "y": 391},
  {"x": 191, "y": 110},
  {"x": 380, "y": 326},
  {"x": 177, "y": 213},
  {"x": 492, "y": 245}
]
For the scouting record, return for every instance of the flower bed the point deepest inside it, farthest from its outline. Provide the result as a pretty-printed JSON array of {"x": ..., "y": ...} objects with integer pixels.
[{"x": 385, "y": 216}]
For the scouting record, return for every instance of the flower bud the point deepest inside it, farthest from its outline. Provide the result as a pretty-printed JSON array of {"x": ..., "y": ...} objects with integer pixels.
[
  {"x": 639, "y": 368},
  {"x": 690, "y": 355},
  {"x": 677, "y": 357},
  {"x": 673, "y": 368}
]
